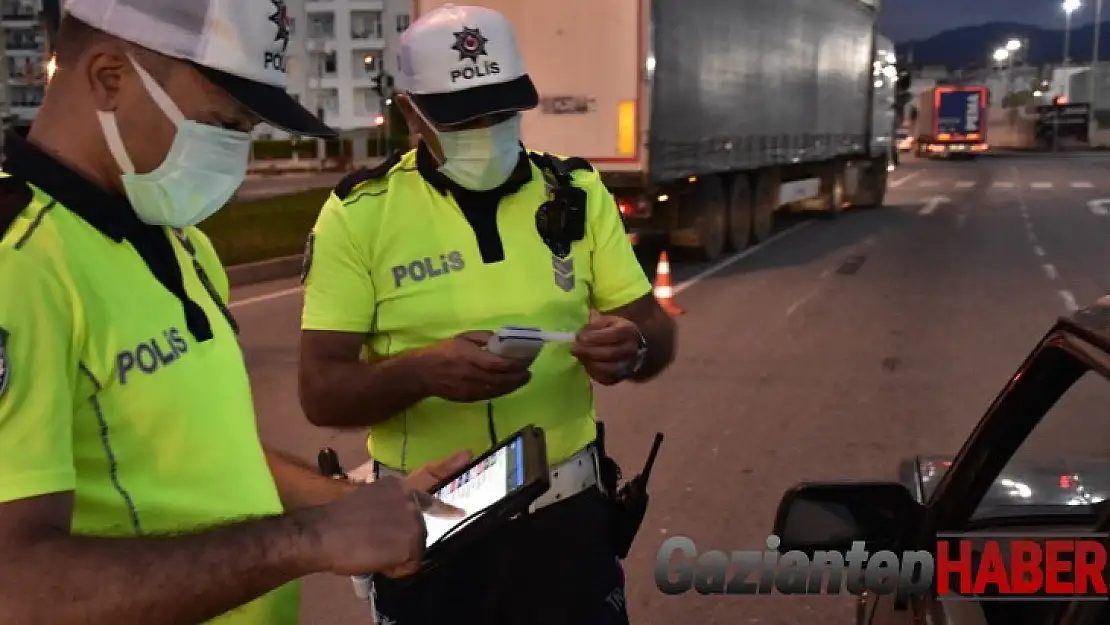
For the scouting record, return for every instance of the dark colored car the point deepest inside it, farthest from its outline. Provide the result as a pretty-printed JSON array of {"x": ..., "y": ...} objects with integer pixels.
[{"x": 1037, "y": 462}]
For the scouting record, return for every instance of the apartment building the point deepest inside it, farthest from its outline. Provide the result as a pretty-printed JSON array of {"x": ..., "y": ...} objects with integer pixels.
[
  {"x": 336, "y": 49},
  {"x": 22, "y": 60}
]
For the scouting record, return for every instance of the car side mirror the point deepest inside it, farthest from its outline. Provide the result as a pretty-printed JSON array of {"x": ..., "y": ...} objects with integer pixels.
[{"x": 830, "y": 516}]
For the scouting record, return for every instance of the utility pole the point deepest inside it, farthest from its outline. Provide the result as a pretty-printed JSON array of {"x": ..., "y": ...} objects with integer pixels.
[{"x": 1092, "y": 83}]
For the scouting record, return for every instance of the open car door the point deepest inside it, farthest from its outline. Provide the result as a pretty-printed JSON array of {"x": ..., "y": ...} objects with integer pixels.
[{"x": 973, "y": 488}]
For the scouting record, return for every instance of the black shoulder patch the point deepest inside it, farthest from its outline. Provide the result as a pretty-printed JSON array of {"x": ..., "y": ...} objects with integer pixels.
[
  {"x": 352, "y": 180},
  {"x": 575, "y": 163},
  {"x": 15, "y": 195}
]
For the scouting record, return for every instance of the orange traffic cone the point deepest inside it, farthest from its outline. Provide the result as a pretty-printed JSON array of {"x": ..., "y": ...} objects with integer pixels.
[{"x": 664, "y": 292}]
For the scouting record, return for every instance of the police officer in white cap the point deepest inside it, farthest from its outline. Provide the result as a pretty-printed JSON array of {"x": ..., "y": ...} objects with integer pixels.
[
  {"x": 420, "y": 259},
  {"x": 133, "y": 485}
]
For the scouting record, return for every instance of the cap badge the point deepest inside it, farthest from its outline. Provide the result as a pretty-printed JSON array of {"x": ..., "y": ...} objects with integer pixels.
[
  {"x": 470, "y": 44},
  {"x": 280, "y": 18}
]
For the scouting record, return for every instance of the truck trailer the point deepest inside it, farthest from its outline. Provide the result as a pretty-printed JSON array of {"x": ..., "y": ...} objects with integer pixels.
[
  {"x": 952, "y": 121},
  {"x": 705, "y": 118}
]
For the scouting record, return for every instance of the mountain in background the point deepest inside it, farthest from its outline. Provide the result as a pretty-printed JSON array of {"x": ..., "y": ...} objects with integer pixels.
[{"x": 972, "y": 46}]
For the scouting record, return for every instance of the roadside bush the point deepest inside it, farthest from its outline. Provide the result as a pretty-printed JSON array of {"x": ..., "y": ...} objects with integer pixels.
[
  {"x": 250, "y": 231},
  {"x": 282, "y": 150}
]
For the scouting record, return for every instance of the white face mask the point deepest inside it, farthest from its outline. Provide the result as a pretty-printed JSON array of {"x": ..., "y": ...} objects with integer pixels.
[
  {"x": 483, "y": 158},
  {"x": 204, "y": 167}
]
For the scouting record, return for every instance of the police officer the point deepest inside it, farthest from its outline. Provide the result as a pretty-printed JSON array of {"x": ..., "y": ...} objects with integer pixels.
[
  {"x": 133, "y": 486},
  {"x": 410, "y": 267}
]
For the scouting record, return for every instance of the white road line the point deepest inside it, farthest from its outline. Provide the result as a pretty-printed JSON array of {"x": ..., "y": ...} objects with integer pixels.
[
  {"x": 1041, "y": 185},
  {"x": 894, "y": 184},
  {"x": 1050, "y": 271},
  {"x": 927, "y": 183},
  {"x": 932, "y": 205},
  {"x": 1003, "y": 185},
  {"x": 1039, "y": 251},
  {"x": 265, "y": 297},
  {"x": 965, "y": 184},
  {"x": 731, "y": 260},
  {"x": 1099, "y": 208},
  {"x": 1082, "y": 185},
  {"x": 1069, "y": 300}
]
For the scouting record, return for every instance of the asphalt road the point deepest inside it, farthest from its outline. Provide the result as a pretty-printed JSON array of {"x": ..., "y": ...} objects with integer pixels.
[{"x": 835, "y": 351}]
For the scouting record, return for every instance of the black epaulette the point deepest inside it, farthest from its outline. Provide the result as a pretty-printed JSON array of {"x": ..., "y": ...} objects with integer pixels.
[
  {"x": 575, "y": 163},
  {"x": 352, "y": 180},
  {"x": 559, "y": 166},
  {"x": 15, "y": 195}
]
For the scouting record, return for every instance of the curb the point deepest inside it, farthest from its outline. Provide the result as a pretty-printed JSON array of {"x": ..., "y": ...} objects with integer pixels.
[{"x": 266, "y": 270}]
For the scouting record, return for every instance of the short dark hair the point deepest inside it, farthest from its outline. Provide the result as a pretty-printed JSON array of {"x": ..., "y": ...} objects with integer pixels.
[
  {"x": 76, "y": 37},
  {"x": 73, "y": 39}
]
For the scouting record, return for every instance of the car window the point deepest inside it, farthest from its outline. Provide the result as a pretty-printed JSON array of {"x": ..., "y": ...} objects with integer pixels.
[{"x": 1064, "y": 462}]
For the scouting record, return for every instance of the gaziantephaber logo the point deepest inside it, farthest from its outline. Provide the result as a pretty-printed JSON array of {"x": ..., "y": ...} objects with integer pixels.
[
  {"x": 976, "y": 567},
  {"x": 1021, "y": 567}
]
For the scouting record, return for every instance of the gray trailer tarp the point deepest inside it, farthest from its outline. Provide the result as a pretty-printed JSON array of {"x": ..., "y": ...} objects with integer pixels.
[{"x": 750, "y": 83}]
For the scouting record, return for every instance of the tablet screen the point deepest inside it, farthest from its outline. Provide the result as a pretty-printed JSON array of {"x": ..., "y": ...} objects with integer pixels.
[{"x": 481, "y": 486}]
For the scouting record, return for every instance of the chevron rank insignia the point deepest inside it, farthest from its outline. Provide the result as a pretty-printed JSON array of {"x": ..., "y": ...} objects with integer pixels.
[
  {"x": 564, "y": 272},
  {"x": 5, "y": 368}
]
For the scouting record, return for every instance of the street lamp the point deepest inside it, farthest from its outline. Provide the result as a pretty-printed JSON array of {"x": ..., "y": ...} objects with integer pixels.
[
  {"x": 1000, "y": 55},
  {"x": 1070, "y": 6},
  {"x": 1013, "y": 45}
]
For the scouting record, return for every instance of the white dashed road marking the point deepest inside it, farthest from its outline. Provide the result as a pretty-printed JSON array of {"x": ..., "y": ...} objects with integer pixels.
[
  {"x": 965, "y": 184},
  {"x": 1082, "y": 185},
  {"x": 1069, "y": 301},
  {"x": 1050, "y": 270},
  {"x": 1003, "y": 185}
]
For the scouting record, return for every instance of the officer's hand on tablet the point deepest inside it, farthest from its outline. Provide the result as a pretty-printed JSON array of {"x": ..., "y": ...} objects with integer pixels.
[
  {"x": 378, "y": 528},
  {"x": 428, "y": 476}
]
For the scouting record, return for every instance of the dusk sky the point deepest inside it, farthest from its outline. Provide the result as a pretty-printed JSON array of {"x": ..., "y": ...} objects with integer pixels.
[{"x": 918, "y": 19}]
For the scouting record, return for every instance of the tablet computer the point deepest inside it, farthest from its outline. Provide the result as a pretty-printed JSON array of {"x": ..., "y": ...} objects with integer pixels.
[{"x": 492, "y": 489}]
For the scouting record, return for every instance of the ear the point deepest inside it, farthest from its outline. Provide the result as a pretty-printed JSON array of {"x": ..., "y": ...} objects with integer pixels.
[
  {"x": 417, "y": 125},
  {"x": 103, "y": 68}
]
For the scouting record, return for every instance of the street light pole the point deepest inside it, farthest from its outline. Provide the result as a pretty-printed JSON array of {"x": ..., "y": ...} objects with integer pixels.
[
  {"x": 1069, "y": 6},
  {"x": 1092, "y": 123},
  {"x": 1067, "y": 37}
]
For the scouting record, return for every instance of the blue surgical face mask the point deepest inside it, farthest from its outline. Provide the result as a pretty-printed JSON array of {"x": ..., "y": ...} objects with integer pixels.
[
  {"x": 201, "y": 172},
  {"x": 480, "y": 159}
]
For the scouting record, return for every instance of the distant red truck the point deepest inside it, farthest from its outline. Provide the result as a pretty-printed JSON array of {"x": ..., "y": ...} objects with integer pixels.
[{"x": 952, "y": 121}]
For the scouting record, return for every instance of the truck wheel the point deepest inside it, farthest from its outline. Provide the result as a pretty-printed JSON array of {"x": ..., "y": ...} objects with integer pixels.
[
  {"x": 711, "y": 224},
  {"x": 765, "y": 203},
  {"x": 873, "y": 183},
  {"x": 740, "y": 214}
]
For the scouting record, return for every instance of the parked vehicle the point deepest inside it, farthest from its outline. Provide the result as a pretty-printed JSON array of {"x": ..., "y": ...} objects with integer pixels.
[{"x": 706, "y": 118}]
